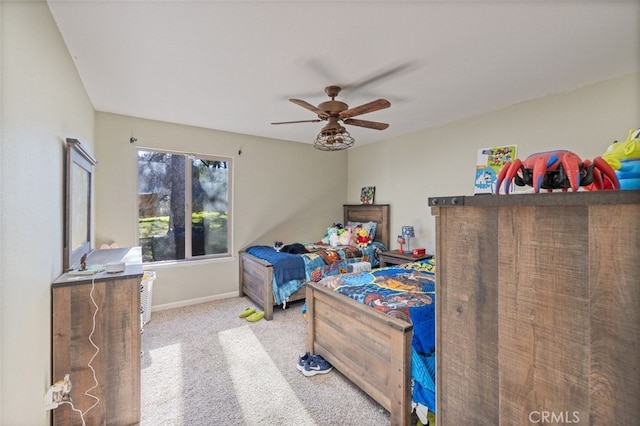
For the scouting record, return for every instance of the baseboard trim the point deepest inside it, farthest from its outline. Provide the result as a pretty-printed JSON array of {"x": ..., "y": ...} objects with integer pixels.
[{"x": 182, "y": 303}]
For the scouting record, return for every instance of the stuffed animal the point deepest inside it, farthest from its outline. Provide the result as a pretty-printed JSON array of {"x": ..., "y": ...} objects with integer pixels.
[
  {"x": 344, "y": 236},
  {"x": 362, "y": 237},
  {"x": 332, "y": 235},
  {"x": 333, "y": 240},
  {"x": 337, "y": 235}
]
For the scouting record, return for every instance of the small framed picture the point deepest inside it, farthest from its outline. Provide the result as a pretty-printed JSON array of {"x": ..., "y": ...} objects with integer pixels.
[{"x": 367, "y": 194}]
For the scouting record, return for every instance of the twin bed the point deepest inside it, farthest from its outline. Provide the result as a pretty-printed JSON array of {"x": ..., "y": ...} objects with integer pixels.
[
  {"x": 381, "y": 336},
  {"x": 257, "y": 274},
  {"x": 365, "y": 335}
]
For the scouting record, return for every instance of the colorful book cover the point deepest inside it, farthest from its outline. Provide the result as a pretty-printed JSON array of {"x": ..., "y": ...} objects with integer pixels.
[{"x": 490, "y": 162}]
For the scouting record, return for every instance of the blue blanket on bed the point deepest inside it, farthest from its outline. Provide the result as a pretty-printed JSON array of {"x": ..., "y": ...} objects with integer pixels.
[
  {"x": 423, "y": 355},
  {"x": 286, "y": 266},
  {"x": 396, "y": 289}
]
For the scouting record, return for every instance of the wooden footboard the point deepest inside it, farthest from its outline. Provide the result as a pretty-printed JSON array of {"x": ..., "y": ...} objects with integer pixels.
[
  {"x": 256, "y": 283},
  {"x": 371, "y": 349}
]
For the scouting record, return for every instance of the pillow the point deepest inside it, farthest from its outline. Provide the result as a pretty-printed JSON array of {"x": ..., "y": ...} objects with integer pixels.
[{"x": 369, "y": 226}]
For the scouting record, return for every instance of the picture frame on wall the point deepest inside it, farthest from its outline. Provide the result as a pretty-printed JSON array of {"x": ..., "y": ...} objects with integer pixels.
[{"x": 367, "y": 194}]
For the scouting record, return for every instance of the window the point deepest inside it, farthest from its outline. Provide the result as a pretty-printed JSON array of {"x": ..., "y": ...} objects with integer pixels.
[{"x": 174, "y": 186}]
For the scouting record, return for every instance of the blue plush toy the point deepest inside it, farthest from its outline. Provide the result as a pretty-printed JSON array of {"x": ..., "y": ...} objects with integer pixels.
[{"x": 331, "y": 237}]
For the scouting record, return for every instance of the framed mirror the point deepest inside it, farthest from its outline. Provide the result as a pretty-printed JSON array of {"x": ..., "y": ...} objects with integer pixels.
[{"x": 78, "y": 209}]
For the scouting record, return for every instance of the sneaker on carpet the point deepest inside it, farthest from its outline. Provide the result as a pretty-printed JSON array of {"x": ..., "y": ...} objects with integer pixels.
[
  {"x": 316, "y": 365},
  {"x": 302, "y": 360}
]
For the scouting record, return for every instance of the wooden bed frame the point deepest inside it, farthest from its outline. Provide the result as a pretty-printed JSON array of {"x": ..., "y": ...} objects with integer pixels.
[
  {"x": 256, "y": 274},
  {"x": 370, "y": 348}
]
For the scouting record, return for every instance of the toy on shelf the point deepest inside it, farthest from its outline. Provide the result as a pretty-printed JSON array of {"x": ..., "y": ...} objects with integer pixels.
[
  {"x": 559, "y": 169},
  {"x": 624, "y": 158}
]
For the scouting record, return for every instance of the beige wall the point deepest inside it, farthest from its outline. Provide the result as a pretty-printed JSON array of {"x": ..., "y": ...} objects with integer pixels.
[
  {"x": 281, "y": 191},
  {"x": 43, "y": 103},
  {"x": 441, "y": 161}
]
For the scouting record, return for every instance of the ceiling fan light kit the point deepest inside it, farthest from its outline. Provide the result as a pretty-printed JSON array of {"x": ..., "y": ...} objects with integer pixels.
[
  {"x": 333, "y": 136},
  {"x": 333, "y": 139}
]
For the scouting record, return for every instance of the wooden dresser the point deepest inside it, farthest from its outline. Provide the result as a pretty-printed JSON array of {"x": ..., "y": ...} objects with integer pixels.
[
  {"x": 116, "y": 334},
  {"x": 538, "y": 318}
]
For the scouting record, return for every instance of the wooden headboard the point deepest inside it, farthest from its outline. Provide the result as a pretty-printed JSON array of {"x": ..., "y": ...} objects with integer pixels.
[{"x": 378, "y": 213}]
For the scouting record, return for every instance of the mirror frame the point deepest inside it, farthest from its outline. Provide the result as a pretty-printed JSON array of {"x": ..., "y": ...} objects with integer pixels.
[{"x": 78, "y": 204}]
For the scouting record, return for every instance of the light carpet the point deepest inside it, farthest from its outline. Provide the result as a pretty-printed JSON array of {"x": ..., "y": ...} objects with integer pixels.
[
  {"x": 251, "y": 370},
  {"x": 202, "y": 365}
]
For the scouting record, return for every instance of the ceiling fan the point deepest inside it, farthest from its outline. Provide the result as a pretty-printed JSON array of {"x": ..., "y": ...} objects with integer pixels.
[{"x": 333, "y": 136}]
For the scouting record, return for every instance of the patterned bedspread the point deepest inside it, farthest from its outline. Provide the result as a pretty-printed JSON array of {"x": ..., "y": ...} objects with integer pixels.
[
  {"x": 320, "y": 261},
  {"x": 323, "y": 261},
  {"x": 406, "y": 292}
]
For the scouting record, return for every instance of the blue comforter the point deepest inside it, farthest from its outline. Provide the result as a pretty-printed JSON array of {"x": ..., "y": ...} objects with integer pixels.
[
  {"x": 286, "y": 266},
  {"x": 406, "y": 292}
]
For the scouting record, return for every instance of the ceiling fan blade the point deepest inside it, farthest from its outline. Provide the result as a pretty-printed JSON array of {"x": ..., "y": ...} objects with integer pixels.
[
  {"x": 366, "y": 123},
  {"x": 383, "y": 74},
  {"x": 376, "y": 105},
  {"x": 307, "y": 105},
  {"x": 298, "y": 121}
]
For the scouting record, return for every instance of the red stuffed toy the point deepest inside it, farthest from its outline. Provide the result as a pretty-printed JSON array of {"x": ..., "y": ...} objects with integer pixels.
[{"x": 362, "y": 237}]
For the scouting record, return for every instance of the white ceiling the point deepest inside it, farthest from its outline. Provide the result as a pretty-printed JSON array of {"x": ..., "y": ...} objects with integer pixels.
[{"x": 233, "y": 65}]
